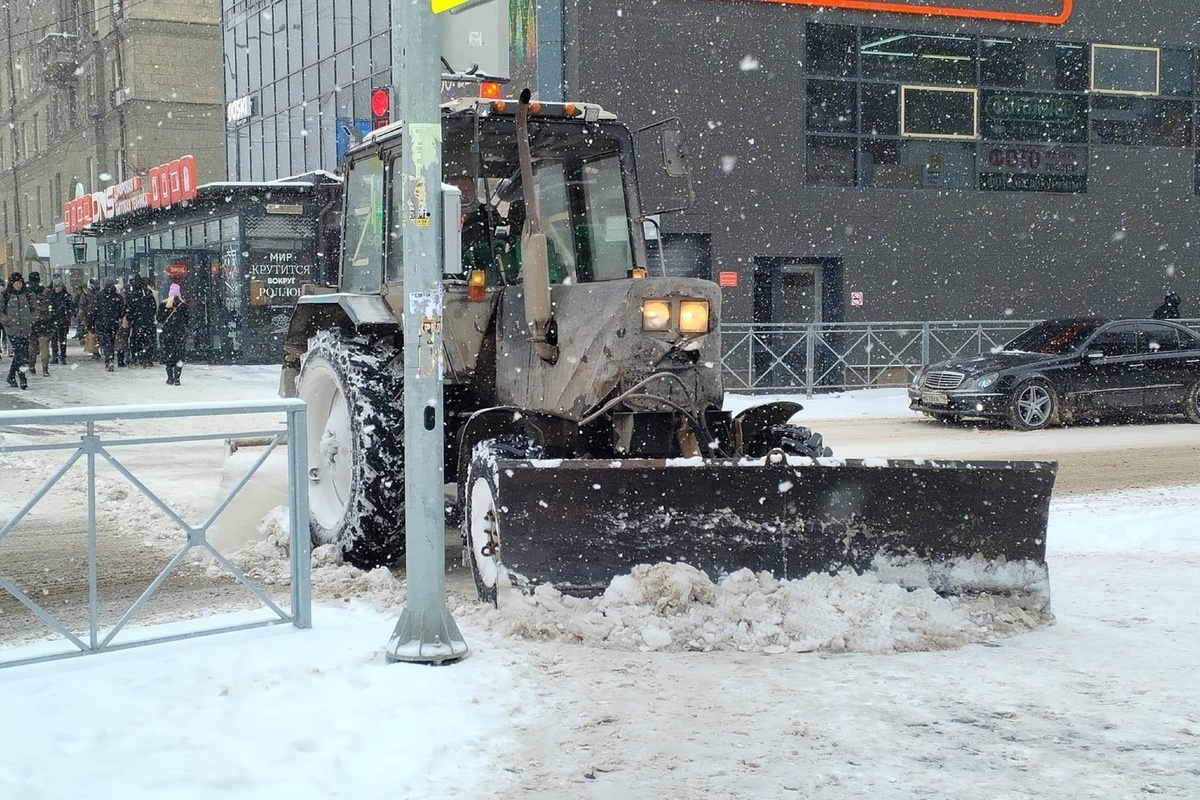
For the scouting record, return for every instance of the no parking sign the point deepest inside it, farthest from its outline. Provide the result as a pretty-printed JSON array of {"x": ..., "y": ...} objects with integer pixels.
[{"x": 856, "y": 298}]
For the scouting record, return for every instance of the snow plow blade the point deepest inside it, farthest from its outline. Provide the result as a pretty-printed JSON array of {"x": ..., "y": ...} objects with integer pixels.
[{"x": 953, "y": 526}]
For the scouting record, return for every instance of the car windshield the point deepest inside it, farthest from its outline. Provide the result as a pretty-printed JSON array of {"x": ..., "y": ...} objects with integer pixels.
[{"x": 1053, "y": 337}]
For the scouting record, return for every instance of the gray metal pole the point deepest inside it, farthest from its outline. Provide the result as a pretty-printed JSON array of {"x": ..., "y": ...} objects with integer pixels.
[{"x": 426, "y": 632}]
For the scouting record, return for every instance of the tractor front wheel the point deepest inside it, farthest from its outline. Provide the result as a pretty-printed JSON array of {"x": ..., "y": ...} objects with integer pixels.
[{"x": 354, "y": 391}]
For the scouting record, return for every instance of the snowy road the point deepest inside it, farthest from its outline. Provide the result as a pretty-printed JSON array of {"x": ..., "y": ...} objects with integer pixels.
[{"x": 1100, "y": 704}]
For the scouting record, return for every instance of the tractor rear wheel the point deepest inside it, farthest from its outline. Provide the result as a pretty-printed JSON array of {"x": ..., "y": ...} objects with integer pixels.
[{"x": 354, "y": 391}]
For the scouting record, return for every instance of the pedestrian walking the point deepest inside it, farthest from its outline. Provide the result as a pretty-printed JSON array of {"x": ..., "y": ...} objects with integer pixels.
[
  {"x": 17, "y": 316},
  {"x": 85, "y": 312},
  {"x": 1169, "y": 308},
  {"x": 140, "y": 308},
  {"x": 173, "y": 316},
  {"x": 43, "y": 324},
  {"x": 110, "y": 310},
  {"x": 62, "y": 309}
]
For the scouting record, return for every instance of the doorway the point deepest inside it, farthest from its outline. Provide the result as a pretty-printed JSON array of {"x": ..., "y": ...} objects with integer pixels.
[{"x": 790, "y": 294}]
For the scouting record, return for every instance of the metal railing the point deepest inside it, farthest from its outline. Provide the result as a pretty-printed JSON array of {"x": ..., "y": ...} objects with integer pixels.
[
  {"x": 842, "y": 356},
  {"x": 93, "y": 445}
]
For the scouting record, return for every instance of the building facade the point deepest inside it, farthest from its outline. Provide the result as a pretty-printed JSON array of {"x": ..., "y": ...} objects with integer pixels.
[
  {"x": 299, "y": 74},
  {"x": 94, "y": 93},
  {"x": 854, "y": 160},
  {"x": 982, "y": 159}
]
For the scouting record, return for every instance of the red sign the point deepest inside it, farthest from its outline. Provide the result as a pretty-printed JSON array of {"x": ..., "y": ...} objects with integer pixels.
[
  {"x": 856, "y": 298},
  {"x": 169, "y": 184},
  {"x": 727, "y": 279},
  {"x": 176, "y": 270}
]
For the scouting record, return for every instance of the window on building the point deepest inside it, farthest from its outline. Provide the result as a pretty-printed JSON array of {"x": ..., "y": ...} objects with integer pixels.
[
  {"x": 1121, "y": 69},
  {"x": 1033, "y": 64},
  {"x": 1141, "y": 121},
  {"x": 1177, "y": 73},
  {"x": 832, "y": 107},
  {"x": 912, "y": 57},
  {"x": 939, "y": 112},
  {"x": 831, "y": 50}
]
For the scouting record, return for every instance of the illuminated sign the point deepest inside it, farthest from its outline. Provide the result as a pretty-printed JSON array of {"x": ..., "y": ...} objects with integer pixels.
[
  {"x": 1045, "y": 12},
  {"x": 166, "y": 185},
  {"x": 239, "y": 109}
]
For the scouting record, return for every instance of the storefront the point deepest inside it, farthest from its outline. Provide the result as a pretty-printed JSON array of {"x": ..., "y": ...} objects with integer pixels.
[{"x": 240, "y": 252}]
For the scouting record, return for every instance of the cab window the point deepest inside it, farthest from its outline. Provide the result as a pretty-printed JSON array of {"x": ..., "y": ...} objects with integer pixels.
[{"x": 362, "y": 244}]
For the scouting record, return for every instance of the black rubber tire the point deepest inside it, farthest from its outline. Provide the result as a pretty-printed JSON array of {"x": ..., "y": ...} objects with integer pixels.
[
  {"x": 1032, "y": 406},
  {"x": 481, "y": 522},
  {"x": 795, "y": 440},
  {"x": 354, "y": 391},
  {"x": 1191, "y": 403}
]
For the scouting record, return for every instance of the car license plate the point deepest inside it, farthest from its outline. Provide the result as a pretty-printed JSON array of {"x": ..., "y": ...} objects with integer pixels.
[{"x": 934, "y": 398}]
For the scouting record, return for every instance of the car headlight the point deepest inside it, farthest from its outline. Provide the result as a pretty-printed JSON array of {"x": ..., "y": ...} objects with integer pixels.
[
  {"x": 916, "y": 378},
  {"x": 986, "y": 380},
  {"x": 656, "y": 315},
  {"x": 693, "y": 316}
]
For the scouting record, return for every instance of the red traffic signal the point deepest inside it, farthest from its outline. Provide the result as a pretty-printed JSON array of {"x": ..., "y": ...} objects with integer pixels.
[{"x": 381, "y": 107}]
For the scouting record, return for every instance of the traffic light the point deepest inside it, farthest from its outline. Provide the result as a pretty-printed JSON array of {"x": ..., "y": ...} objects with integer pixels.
[{"x": 381, "y": 107}]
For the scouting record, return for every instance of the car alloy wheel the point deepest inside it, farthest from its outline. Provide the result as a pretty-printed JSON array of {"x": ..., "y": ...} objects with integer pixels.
[{"x": 1033, "y": 406}]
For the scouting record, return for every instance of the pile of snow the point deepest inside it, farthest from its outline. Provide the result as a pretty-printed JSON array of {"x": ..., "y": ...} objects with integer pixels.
[{"x": 675, "y": 607}]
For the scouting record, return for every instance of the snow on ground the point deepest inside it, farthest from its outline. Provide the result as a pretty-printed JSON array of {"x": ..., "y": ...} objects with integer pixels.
[{"x": 831, "y": 687}]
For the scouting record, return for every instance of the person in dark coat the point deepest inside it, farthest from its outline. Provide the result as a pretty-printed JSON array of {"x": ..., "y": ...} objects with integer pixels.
[
  {"x": 1169, "y": 308},
  {"x": 17, "y": 315},
  {"x": 140, "y": 307},
  {"x": 110, "y": 310},
  {"x": 43, "y": 324},
  {"x": 62, "y": 309},
  {"x": 173, "y": 317}
]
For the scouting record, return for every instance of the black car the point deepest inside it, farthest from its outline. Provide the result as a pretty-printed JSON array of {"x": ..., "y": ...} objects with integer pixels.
[{"x": 1067, "y": 369}]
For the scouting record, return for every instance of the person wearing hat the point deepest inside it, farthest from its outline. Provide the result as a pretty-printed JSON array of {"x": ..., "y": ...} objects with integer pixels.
[
  {"x": 173, "y": 317},
  {"x": 1169, "y": 309},
  {"x": 43, "y": 324},
  {"x": 62, "y": 309},
  {"x": 17, "y": 315}
]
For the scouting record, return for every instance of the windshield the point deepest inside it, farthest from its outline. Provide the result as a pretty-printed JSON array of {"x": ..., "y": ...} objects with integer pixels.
[
  {"x": 580, "y": 171},
  {"x": 1054, "y": 338}
]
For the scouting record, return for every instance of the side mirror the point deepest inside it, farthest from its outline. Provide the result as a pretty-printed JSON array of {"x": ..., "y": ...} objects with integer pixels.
[{"x": 664, "y": 172}]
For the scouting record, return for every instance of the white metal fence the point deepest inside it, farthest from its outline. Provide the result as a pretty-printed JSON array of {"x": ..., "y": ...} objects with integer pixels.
[
  {"x": 95, "y": 445},
  {"x": 817, "y": 357}
]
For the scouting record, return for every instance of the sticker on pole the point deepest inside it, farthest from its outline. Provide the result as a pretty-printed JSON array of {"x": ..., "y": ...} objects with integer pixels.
[{"x": 439, "y": 6}]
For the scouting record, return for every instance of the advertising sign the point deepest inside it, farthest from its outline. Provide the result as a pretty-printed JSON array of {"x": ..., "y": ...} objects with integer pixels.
[
  {"x": 165, "y": 185},
  {"x": 1032, "y": 168},
  {"x": 277, "y": 278}
]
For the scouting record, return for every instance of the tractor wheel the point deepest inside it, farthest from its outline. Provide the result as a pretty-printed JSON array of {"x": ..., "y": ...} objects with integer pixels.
[
  {"x": 354, "y": 391},
  {"x": 481, "y": 517},
  {"x": 795, "y": 440},
  {"x": 1033, "y": 406},
  {"x": 1191, "y": 404}
]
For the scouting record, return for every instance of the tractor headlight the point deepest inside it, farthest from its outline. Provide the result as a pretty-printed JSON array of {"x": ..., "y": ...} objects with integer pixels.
[
  {"x": 656, "y": 315},
  {"x": 986, "y": 380},
  {"x": 693, "y": 316}
]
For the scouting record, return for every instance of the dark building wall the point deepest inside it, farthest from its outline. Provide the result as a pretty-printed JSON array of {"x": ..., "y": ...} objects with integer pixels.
[{"x": 735, "y": 73}]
